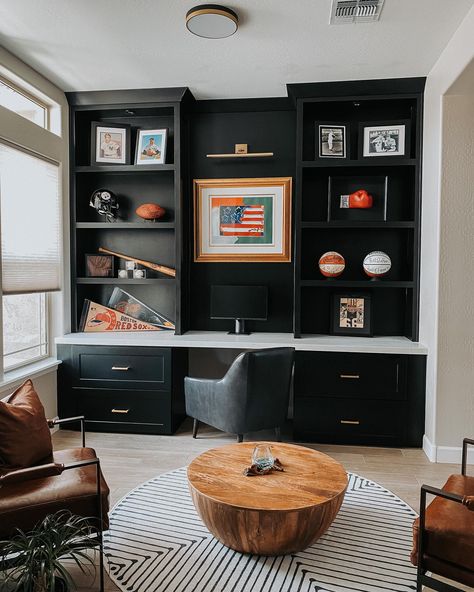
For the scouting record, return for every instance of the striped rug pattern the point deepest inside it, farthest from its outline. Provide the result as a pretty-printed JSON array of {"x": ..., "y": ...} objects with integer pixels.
[{"x": 157, "y": 543}]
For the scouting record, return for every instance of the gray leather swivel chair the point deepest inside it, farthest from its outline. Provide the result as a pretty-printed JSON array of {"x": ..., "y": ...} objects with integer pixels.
[{"x": 252, "y": 396}]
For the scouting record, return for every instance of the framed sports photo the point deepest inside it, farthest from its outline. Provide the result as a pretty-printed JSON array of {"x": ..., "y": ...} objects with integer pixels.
[
  {"x": 351, "y": 315},
  {"x": 331, "y": 140},
  {"x": 110, "y": 144},
  {"x": 151, "y": 146},
  {"x": 239, "y": 220},
  {"x": 384, "y": 139}
]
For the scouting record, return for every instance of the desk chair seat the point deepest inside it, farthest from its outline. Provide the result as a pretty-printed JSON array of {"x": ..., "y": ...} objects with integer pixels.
[{"x": 252, "y": 396}]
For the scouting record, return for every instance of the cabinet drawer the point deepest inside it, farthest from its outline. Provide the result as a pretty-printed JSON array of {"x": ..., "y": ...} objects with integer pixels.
[
  {"x": 124, "y": 368},
  {"x": 347, "y": 420},
  {"x": 125, "y": 407},
  {"x": 369, "y": 376}
]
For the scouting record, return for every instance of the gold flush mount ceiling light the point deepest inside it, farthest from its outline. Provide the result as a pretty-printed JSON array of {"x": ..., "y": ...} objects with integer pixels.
[{"x": 212, "y": 21}]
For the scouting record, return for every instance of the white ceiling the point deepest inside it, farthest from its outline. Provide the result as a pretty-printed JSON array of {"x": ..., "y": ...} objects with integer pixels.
[{"x": 107, "y": 44}]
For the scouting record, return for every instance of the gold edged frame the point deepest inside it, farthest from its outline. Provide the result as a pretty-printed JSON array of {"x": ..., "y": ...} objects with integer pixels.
[{"x": 282, "y": 257}]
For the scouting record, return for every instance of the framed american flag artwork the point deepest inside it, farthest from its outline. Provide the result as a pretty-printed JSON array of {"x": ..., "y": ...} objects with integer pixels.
[{"x": 242, "y": 220}]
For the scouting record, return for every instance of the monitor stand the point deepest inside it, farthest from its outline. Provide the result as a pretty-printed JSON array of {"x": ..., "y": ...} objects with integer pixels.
[{"x": 239, "y": 328}]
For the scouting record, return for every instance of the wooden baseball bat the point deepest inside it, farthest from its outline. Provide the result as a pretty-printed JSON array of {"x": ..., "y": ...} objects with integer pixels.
[{"x": 161, "y": 268}]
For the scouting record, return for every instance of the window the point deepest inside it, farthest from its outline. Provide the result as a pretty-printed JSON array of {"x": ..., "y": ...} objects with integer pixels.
[
  {"x": 23, "y": 105},
  {"x": 30, "y": 252},
  {"x": 25, "y": 335}
]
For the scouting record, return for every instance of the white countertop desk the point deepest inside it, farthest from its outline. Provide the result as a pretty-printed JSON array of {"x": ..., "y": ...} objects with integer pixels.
[{"x": 221, "y": 340}]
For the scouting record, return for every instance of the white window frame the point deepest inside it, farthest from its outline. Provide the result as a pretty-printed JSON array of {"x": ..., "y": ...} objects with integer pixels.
[
  {"x": 51, "y": 144},
  {"x": 31, "y": 97}
]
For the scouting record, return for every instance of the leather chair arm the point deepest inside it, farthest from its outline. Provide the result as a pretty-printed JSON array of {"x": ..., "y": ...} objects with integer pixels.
[
  {"x": 40, "y": 472},
  {"x": 81, "y": 418}
]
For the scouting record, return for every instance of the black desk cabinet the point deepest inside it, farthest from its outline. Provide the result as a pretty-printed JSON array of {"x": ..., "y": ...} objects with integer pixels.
[
  {"x": 123, "y": 389},
  {"x": 347, "y": 398}
]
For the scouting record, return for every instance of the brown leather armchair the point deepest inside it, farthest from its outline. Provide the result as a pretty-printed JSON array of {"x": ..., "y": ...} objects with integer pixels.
[
  {"x": 443, "y": 535},
  {"x": 70, "y": 479}
]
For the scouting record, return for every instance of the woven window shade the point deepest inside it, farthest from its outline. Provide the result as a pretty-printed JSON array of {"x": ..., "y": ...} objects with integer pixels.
[{"x": 30, "y": 222}]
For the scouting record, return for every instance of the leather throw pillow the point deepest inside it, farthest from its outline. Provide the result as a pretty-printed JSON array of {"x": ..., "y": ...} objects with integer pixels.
[{"x": 25, "y": 438}]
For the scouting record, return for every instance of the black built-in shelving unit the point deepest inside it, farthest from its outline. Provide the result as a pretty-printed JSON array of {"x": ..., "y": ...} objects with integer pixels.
[
  {"x": 162, "y": 241},
  {"x": 395, "y": 297}
]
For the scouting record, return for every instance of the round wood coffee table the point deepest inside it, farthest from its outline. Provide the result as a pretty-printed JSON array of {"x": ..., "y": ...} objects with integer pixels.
[{"x": 273, "y": 514}]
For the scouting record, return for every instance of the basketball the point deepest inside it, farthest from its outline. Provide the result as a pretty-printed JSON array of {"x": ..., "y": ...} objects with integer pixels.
[
  {"x": 150, "y": 211},
  {"x": 376, "y": 264},
  {"x": 331, "y": 264}
]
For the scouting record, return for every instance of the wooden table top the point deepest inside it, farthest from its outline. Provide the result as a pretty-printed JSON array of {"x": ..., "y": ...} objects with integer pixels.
[{"x": 310, "y": 478}]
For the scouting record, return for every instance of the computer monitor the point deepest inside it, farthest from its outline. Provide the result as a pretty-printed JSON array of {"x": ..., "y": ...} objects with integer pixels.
[{"x": 239, "y": 303}]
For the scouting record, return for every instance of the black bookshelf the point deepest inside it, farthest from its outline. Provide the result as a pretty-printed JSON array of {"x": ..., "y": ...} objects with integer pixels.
[
  {"x": 162, "y": 241},
  {"x": 395, "y": 298}
]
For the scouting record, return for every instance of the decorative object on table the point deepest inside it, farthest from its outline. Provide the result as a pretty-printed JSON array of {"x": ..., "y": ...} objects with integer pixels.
[
  {"x": 151, "y": 146},
  {"x": 154, "y": 266},
  {"x": 384, "y": 139},
  {"x": 139, "y": 274},
  {"x": 130, "y": 305},
  {"x": 360, "y": 199},
  {"x": 99, "y": 266},
  {"x": 351, "y": 315},
  {"x": 105, "y": 203},
  {"x": 110, "y": 144},
  {"x": 239, "y": 220},
  {"x": 37, "y": 563},
  {"x": 241, "y": 151},
  {"x": 97, "y": 318},
  {"x": 150, "y": 211},
  {"x": 357, "y": 198},
  {"x": 370, "y": 510},
  {"x": 331, "y": 264},
  {"x": 125, "y": 274},
  {"x": 263, "y": 461},
  {"x": 377, "y": 264},
  {"x": 331, "y": 140}
]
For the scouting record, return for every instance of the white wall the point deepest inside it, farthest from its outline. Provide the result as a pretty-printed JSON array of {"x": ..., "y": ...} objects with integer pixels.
[{"x": 448, "y": 404}]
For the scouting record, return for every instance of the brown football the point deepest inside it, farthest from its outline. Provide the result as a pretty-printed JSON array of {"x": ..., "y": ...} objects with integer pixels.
[{"x": 150, "y": 211}]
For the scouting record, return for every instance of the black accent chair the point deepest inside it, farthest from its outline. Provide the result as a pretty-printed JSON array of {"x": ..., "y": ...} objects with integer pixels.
[{"x": 252, "y": 396}]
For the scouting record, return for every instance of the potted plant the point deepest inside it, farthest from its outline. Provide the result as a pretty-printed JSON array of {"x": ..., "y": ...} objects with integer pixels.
[{"x": 31, "y": 562}]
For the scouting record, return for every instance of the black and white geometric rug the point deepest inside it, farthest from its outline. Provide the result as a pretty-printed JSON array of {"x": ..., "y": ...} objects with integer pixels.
[{"x": 157, "y": 543}]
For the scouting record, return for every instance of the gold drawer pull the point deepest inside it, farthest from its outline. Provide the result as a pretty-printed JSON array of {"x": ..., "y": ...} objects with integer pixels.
[
  {"x": 350, "y": 422},
  {"x": 120, "y": 410},
  {"x": 349, "y": 376},
  {"x": 121, "y": 368}
]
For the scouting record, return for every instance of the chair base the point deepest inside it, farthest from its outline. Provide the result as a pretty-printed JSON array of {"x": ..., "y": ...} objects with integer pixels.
[{"x": 195, "y": 428}]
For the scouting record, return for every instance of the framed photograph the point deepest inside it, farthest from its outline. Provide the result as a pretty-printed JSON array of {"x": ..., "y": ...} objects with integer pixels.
[
  {"x": 351, "y": 315},
  {"x": 151, "y": 146},
  {"x": 331, "y": 140},
  {"x": 110, "y": 144},
  {"x": 99, "y": 266},
  {"x": 384, "y": 139},
  {"x": 242, "y": 220}
]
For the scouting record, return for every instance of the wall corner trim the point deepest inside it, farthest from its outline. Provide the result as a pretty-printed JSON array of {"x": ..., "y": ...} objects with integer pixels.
[{"x": 429, "y": 449}]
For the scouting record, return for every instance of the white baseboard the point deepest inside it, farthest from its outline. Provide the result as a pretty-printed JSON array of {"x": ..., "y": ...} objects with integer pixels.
[
  {"x": 429, "y": 449},
  {"x": 446, "y": 454},
  {"x": 452, "y": 454}
]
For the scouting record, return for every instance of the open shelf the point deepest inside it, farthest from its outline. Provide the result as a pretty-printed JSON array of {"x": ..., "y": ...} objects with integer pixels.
[
  {"x": 122, "y": 225},
  {"x": 124, "y": 168},
  {"x": 356, "y": 285},
  {"x": 113, "y": 280},
  {"x": 380, "y": 161},
  {"x": 359, "y": 224}
]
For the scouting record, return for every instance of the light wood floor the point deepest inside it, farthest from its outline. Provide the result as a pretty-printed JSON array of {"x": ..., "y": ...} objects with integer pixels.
[{"x": 128, "y": 460}]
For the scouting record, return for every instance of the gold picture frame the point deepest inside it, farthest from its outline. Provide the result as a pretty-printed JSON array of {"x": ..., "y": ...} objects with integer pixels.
[{"x": 242, "y": 220}]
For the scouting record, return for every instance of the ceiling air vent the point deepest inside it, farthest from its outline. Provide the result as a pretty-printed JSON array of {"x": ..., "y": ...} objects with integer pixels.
[{"x": 355, "y": 11}]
